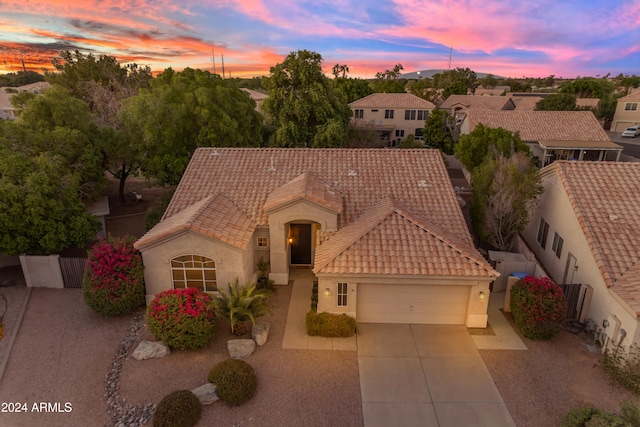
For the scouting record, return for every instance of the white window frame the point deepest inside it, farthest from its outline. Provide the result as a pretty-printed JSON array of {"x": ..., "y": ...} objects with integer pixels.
[
  {"x": 409, "y": 114},
  {"x": 388, "y": 114},
  {"x": 358, "y": 113},
  {"x": 399, "y": 133},
  {"x": 191, "y": 268},
  {"x": 558, "y": 243},
  {"x": 342, "y": 294},
  {"x": 262, "y": 242},
  {"x": 631, "y": 106},
  {"x": 423, "y": 114}
]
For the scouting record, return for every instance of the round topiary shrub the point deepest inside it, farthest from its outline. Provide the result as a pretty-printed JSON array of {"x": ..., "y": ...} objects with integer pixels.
[
  {"x": 113, "y": 282},
  {"x": 182, "y": 318},
  {"x": 235, "y": 380},
  {"x": 179, "y": 409},
  {"x": 538, "y": 306}
]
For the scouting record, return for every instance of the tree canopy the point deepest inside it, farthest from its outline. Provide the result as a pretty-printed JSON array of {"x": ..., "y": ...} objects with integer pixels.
[
  {"x": 305, "y": 108},
  {"x": 473, "y": 148},
  {"x": 557, "y": 102},
  {"x": 450, "y": 79},
  {"x": 352, "y": 89},
  {"x": 438, "y": 131}
]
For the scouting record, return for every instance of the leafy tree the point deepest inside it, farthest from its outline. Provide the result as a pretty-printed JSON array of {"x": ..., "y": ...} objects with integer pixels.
[
  {"x": 466, "y": 76},
  {"x": 455, "y": 88},
  {"x": 21, "y": 78},
  {"x": 185, "y": 110},
  {"x": 489, "y": 82},
  {"x": 388, "y": 81},
  {"x": 438, "y": 131},
  {"x": 557, "y": 102},
  {"x": 473, "y": 148},
  {"x": 504, "y": 189},
  {"x": 516, "y": 85},
  {"x": 588, "y": 88},
  {"x": 340, "y": 70},
  {"x": 305, "y": 108},
  {"x": 410, "y": 142},
  {"x": 352, "y": 89}
]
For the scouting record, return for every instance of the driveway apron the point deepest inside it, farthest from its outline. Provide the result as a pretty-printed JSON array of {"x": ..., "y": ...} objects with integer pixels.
[{"x": 425, "y": 375}]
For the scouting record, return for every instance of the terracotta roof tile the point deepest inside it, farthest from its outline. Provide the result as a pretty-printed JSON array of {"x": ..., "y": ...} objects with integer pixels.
[
  {"x": 526, "y": 103},
  {"x": 306, "y": 186},
  {"x": 392, "y": 100},
  {"x": 606, "y": 199},
  {"x": 634, "y": 96},
  {"x": 542, "y": 125},
  {"x": 475, "y": 101}
]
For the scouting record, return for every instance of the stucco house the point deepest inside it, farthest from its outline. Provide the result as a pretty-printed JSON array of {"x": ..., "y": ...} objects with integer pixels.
[
  {"x": 381, "y": 230},
  {"x": 551, "y": 135},
  {"x": 394, "y": 116},
  {"x": 627, "y": 112},
  {"x": 7, "y": 112},
  {"x": 458, "y": 105},
  {"x": 586, "y": 229}
]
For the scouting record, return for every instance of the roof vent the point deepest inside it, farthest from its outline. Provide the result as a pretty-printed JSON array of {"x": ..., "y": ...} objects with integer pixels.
[
  {"x": 215, "y": 153},
  {"x": 272, "y": 167},
  {"x": 422, "y": 183},
  {"x": 352, "y": 173},
  {"x": 613, "y": 217}
]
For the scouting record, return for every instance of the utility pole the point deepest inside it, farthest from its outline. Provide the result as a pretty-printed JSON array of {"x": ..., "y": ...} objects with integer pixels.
[
  {"x": 223, "y": 65},
  {"x": 213, "y": 57},
  {"x": 450, "y": 53},
  {"x": 23, "y": 66}
]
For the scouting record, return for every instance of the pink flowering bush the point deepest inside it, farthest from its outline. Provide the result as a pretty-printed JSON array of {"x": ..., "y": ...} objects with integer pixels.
[
  {"x": 113, "y": 282},
  {"x": 182, "y": 318},
  {"x": 538, "y": 306}
]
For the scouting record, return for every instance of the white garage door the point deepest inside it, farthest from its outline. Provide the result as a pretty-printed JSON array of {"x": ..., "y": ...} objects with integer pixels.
[{"x": 379, "y": 303}]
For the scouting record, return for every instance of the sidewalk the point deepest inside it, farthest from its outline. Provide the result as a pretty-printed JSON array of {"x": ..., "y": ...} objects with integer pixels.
[{"x": 505, "y": 337}]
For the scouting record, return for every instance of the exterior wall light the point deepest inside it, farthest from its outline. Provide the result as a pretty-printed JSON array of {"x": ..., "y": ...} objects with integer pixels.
[
  {"x": 605, "y": 323},
  {"x": 327, "y": 292},
  {"x": 481, "y": 296}
]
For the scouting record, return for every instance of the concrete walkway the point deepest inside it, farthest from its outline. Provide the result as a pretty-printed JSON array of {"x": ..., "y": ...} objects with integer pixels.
[{"x": 505, "y": 337}]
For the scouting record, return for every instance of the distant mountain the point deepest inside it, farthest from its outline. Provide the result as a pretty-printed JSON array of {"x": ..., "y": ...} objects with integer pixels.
[{"x": 417, "y": 75}]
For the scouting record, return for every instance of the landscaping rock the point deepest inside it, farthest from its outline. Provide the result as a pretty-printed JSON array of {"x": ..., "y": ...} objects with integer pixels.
[
  {"x": 150, "y": 349},
  {"x": 239, "y": 349},
  {"x": 260, "y": 332},
  {"x": 207, "y": 393}
]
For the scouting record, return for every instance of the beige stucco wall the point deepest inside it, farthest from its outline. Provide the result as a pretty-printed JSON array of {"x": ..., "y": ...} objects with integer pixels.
[
  {"x": 398, "y": 122},
  {"x": 231, "y": 262},
  {"x": 557, "y": 211},
  {"x": 300, "y": 211},
  {"x": 623, "y": 119},
  {"x": 476, "y": 309}
]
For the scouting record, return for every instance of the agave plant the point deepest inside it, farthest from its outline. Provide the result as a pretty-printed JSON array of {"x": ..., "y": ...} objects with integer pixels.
[{"x": 241, "y": 305}]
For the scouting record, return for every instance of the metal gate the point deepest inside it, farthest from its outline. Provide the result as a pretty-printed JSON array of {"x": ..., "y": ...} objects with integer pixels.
[
  {"x": 72, "y": 271},
  {"x": 572, "y": 294}
]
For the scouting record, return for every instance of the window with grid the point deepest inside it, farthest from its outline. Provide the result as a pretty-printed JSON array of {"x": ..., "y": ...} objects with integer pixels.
[
  {"x": 342, "y": 294},
  {"x": 388, "y": 114},
  {"x": 358, "y": 113},
  {"x": 631, "y": 106},
  {"x": 194, "y": 271},
  {"x": 557, "y": 244},
  {"x": 422, "y": 114},
  {"x": 543, "y": 231},
  {"x": 409, "y": 114},
  {"x": 263, "y": 242},
  {"x": 399, "y": 132}
]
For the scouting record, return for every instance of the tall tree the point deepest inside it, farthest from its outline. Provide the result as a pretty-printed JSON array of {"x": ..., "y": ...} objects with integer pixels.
[
  {"x": 588, "y": 88},
  {"x": 465, "y": 76},
  {"x": 473, "y": 148},
  {"x": 185, "y": 110},
  {"x": 352, "y": 89},
  {"x": 438, "y": 131},
  {"x": 340, "y": 70},
  {"x": 388, "y": 81},
  {"x": 305, "y": 108},
  {"x": 557, "y": 102}
]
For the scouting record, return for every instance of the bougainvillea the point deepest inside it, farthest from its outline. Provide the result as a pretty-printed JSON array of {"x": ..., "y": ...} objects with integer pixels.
[
  {"x": 538, "y": 306},
  {"x": 113, "y": 282},
  {"x": 182, "y": 318}
]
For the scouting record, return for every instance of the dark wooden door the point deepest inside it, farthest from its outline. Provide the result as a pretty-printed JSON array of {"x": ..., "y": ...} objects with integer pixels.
[{"x": 301, "y": 243}]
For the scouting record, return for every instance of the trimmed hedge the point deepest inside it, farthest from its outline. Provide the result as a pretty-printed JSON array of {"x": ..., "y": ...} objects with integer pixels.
[
  {"x": 538, "y": 306},
  {"x": 178, "y": 409},
  {"x": 235, "y": 381},
  {"x": 330, "y": 325},
  {"x": 113, "y": 282},
  {"x": 182, "y": 318}
]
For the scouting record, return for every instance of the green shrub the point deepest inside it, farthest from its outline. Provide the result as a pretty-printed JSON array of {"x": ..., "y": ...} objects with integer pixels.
[
  {"x": 314, "y": 297},
  {"x": 606, "y": 419},
  {"x": 578, "y": 417},
  {"x": 538, "y": 306},
  {"x": 586, "y": 416},
  {"x": 155, "y": 212},
  {"x": 182, "y": 318},
  {"x": 623, "y": 366},
  {"x": 330, "y": 325},
  {"x": 241, "y": 305},
  {"x": 178, "y": 409},
  {"x": 113, "y": 282},
  {"x": 235, "y": 380}
]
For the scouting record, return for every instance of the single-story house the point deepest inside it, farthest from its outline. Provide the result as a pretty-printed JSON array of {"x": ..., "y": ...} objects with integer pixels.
[
  {"x": 393, "y": 116},
  {"x": 627, "y": 112},
  {"x": 381, "y": 230},
  {"x": 551, "y": 135},
  {"x": 586, "y": 229},
  {"x": 258, "y": 97},
  {"x": 7, "y": 112},
  {"x": 459, "y": 104}
]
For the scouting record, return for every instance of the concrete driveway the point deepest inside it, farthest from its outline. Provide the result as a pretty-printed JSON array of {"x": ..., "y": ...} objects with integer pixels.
[{"x": 425, "y": 375}]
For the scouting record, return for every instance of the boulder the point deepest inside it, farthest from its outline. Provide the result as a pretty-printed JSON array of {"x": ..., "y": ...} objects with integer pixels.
[
  {"x": 207, "y": 393},
  {"x": 260, "y": 332},
  {"x": 150, "y": 349},
  {"x": 241, "y": 348}
]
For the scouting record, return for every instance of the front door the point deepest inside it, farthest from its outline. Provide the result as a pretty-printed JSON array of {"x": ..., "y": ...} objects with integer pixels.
[
  {"x": 300, "y": 243},
  {"x": 570, "y": 269}
]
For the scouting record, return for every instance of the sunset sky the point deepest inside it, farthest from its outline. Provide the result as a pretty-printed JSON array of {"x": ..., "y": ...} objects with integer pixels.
[{"x": 511, "y": 38}]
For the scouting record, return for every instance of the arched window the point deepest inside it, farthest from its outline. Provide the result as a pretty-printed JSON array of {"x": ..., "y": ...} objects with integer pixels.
[{"x": 194, "y": 271}]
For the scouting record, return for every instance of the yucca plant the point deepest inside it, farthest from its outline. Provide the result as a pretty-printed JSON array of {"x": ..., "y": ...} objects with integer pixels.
[{"x": 241, "y": 305}]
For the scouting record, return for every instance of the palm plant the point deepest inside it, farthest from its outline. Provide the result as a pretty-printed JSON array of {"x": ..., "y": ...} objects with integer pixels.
[{"x": 241, "y": 305}]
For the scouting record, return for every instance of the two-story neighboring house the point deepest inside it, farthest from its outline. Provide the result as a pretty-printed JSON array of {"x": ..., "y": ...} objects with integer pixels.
[
  {"x": 394, "y": 116},
  {"x": 458, "y": 105},
  {"x": 551, "y": 135},
  {"x": 586, "y": 229},
  {"x": 627, "y": 112}
]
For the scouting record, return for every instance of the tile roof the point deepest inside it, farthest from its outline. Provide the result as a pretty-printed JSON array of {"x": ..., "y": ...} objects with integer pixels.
[
  {"x": 308, "y": 187},
  {"x": 474, "y": 101},
  {"x": 392, "y": 100},
  {"x": 542, "y": 125},
  {"x": 634, "y": 96},
  {"x": 587, "y": 102},
  {"x": 526, "y": 103},
  {"x": 606, "y": 199},
  {"x": 388, "y": 239},
  {"x": 214, "y": 216}
]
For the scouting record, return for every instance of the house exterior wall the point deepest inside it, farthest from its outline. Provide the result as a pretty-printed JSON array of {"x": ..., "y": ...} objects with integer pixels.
[
  {"x": 231, "y": 263},
  {"x": 399, "y": 126},
  {"x": 622, "y": 119},
  {"x": 476, "y": 310},
  {"x": 555, "y": 208}
]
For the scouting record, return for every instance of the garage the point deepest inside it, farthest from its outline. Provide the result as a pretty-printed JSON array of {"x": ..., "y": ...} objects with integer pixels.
[{"x": 410, "y": 303}]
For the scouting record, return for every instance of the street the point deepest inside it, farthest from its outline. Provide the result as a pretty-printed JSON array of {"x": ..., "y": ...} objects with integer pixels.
[{"x": 631, "y": 145}]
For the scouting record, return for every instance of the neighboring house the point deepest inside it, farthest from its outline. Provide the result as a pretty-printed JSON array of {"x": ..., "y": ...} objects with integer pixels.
[
  {"x": 458, "y": 105},
  {"x": 526, "y": 103},
  {"x": 627, "y": 112},
  {"x": 258, "y": 97},
  {"x": 551, "y": 135},
  {"x": 394, "y": 116},
  {"x": 586, "y": 229},
  {"x": 494, "y": 91},
  {"x": 381, "y": 230},
  {"x": 7, "y": 112}
]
